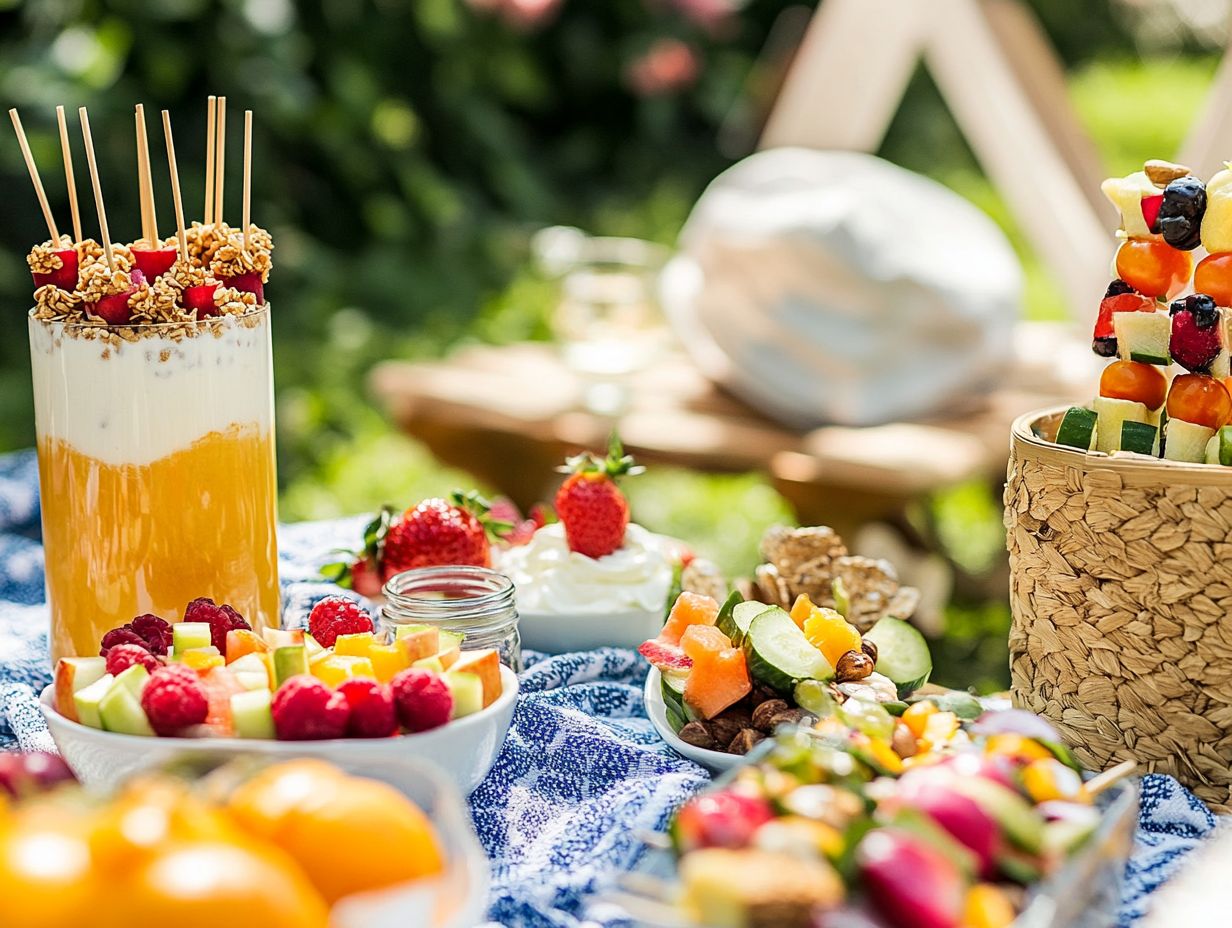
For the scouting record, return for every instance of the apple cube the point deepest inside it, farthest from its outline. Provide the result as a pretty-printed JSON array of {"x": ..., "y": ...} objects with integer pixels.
[
  {"x": 282, "y": 637},
  {"x": 467, "y": 690},
  {"x": 73, "y": 674},
  {"x": 418, "y": 641},
  {"x": 86, "y": 701},
  {"x": 432, "y": 663},
  {"x": 120, "y": 709},
  {"x": 251, "y": 671},
  {"x": 484, "y": 664},
  {"x": 289, "y": 661}
]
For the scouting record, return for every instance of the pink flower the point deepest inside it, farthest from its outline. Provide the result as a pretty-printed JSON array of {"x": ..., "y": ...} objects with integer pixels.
[
  {"x": 668, "y": 65},
  {"x": 524, "y": 15}
]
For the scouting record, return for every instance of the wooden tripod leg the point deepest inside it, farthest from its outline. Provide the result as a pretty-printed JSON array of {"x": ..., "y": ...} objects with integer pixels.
[
  {"x": 1017, "y": 152},
  {"x": 849, "y": 75},
  {"x": 1209, "y": 142}
]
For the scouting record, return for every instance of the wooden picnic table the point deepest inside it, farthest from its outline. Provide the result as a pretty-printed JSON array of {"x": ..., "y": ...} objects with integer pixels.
[{"x": 510, "y": 414}]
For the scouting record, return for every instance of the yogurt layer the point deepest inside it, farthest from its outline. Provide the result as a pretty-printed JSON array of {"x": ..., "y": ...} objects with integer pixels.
[
  {"x": 123, "y": 402},
  {"x": 553, "y": 580}
]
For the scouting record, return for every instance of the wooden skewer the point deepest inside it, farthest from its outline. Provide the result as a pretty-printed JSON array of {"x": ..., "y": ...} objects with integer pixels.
[
  {"x": 145, "y": 183},
  {"x": 69, "y": 180},
  {"x": 220, "y": 158},
  {"x": 34, "y": 176},
  {"x": 247, "y": 173},
  {"x": 1101, "y": 781},
  {"x": 98, "y": 189},
  {"x": 211, "y": 132},
  {"x": 175, "y": 189}
]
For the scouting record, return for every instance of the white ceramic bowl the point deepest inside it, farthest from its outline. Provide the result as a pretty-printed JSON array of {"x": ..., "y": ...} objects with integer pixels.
[
  {"x": 558, "y": 634},
  {"x": 464, "y": 749},
  {"x": 656, "y": 710}
]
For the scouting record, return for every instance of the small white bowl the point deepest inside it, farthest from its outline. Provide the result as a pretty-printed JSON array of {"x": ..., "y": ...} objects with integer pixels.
[
  {"x": 656, "y": 710},
  {"x": 559, "y": 634},
  {"x": 464, "y": 749}
]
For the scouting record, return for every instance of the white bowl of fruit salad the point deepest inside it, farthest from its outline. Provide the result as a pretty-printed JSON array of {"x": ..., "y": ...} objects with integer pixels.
[
  {"x": 211, "y": 685},
  {"x": 592, "y": 579},
  {"x": 724, "y": 678}
]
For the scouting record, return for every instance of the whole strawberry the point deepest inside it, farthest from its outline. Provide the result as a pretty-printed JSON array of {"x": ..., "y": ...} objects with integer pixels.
[
  {"x": 591, "y": 507},
  {"x": 1195, "y": 339},
  {"x": 438, "y": 533}
]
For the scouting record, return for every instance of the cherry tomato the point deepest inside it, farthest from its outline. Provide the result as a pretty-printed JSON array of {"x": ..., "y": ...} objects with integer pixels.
[
  {"x": 1200, "y": 399},
  {"x": 1154, "y": 268},
  {"x": 1133, "y": 380},
  {"x": 1213, "y": 277}
]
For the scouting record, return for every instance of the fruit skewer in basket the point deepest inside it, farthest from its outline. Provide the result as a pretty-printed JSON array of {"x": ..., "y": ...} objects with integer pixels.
[{"x": 1166, "y": 213}]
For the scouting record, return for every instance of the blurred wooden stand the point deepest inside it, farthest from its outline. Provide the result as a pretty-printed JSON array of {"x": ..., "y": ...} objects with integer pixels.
[
  {"x": 510, "y": 414},
  {"x": 1003, "y": 83}
]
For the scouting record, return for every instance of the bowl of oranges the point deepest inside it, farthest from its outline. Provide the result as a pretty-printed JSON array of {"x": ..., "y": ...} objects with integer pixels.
[{"x": 247, "y": 844}]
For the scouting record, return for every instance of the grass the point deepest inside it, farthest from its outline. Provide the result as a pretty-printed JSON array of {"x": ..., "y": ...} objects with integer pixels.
[{"x": 1134, "y": 110}]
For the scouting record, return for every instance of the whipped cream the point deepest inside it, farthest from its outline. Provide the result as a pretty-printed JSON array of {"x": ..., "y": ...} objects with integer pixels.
[
  {"x": 123, "y": 402},
  {"x": 553, "y": 580}
]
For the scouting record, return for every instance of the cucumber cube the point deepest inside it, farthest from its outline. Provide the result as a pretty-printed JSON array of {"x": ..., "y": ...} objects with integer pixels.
[
  {"x": 133, "y": 679},
  {"x": 432, "y": 663},
  {"x": 1077, "y": 430},
  {"x": 1143, "y": 337},
  {"x": 1139, "y": 437},
  {"x": 188, "y": 635}
]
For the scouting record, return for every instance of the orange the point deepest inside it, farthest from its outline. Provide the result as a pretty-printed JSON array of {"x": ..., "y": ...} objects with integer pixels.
[
  {"x": 349, "y": 834},
  {"x": 45, "y": 873},
  {"x": 221, "y": 884},
  {"x": 831, "y": 634}
]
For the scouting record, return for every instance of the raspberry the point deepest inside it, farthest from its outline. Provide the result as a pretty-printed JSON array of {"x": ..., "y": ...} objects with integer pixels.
[
  {"x": 156, "y": 632},
  {"x": 372, "y": 708},
  {"x": 173, "y": 699},
  {"x": 422, "y": 698},
  {"x": 123, "y": 656},
  {"x": 122, "y": 635},
  {"x": 305, "y": 709},
  {"x": 334, "y": 616},
  {"x": 221, "y": 619}
]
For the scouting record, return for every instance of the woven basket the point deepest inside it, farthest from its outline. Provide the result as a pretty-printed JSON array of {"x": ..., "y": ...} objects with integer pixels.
[{"x": 1121, "y": 591}]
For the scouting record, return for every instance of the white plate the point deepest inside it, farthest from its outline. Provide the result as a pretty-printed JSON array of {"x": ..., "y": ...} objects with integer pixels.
[
  {"x": 656, "y": 710},
  {"x": 559, "y": 634},
  {"x": 464, "y": 749}
]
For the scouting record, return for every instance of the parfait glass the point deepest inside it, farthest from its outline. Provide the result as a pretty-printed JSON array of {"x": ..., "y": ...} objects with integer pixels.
[{"x": 156, "y": 471}]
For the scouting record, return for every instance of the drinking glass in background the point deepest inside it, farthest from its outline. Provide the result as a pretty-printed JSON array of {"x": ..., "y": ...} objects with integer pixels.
[
  {"x": 156, "y": 471},
  {"x": 608, "y": 321}
]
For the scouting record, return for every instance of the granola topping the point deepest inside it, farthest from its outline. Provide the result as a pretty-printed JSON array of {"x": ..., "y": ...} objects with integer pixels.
[
  {"x": 43, "y": 258},
  {"x": 55, "y": 305},
  {"x": 231, "y": 260}
]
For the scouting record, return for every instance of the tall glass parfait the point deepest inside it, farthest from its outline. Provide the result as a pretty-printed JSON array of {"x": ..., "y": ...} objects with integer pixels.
[{"x": 156, "y": 471}]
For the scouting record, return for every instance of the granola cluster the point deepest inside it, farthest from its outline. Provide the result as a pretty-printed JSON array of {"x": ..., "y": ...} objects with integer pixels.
[{"x": 216, "y": 257}]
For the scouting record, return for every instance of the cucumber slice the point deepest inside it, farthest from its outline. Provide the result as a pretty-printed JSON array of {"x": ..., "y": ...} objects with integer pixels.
[
  {"x": 724, "y": 620},
  {"x": 778, "y": 655},
  {"x": 741, "y": 618},
  {"x": 1138, "y": 437},
  {"x": 902, "y": 654},
  {"x": 1143, "y": 336},
  {"x": 1186, "y": 441},
  {"x": 1077, "y": 430},
  {"x": 1112, "y": 413},
  {"x": 842, "y": 602},
  {"x": 672, "y": 688}
]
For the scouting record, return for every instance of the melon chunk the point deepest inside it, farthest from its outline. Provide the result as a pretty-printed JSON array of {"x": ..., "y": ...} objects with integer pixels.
[
  {"x": 689, "y": 609},
  {"x": 719, "y": 677}
]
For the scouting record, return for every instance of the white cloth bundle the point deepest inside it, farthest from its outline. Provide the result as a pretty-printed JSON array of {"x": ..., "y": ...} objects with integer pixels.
[{"x": 835, "y": 287}]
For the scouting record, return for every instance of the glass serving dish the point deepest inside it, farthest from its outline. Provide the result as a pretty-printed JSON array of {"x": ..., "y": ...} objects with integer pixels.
[{"x": 1084, "y": 893}]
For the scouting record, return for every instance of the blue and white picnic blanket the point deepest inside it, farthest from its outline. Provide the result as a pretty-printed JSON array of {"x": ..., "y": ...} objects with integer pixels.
[{"x": 582, "y": 772}]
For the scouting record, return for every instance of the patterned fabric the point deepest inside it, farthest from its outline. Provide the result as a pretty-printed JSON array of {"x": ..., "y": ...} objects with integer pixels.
[{"x": 581, "y": 776}]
